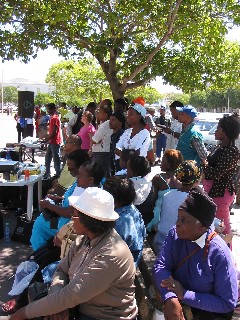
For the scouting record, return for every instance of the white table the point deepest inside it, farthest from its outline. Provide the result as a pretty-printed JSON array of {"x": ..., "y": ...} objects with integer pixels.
[{"x": 29, "y": 183}]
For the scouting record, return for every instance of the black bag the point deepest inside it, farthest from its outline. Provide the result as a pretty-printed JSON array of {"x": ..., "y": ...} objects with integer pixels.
[
  {"x": 46, "y": 254},
  {"x": 36, "y": 291},
  {"x": 23, "y": 230}
]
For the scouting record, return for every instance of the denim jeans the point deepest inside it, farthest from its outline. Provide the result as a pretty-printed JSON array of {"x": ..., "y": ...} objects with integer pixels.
[
  {"x": 53, "y": 152},
  {"x": 161, "y": 141}
]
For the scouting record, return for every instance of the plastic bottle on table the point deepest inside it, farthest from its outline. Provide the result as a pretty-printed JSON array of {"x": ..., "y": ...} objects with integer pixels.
[
  {"x": 31, "y": 265},
  {"x": 7, "y": 237},
  {"x": 8, "y": 156}
]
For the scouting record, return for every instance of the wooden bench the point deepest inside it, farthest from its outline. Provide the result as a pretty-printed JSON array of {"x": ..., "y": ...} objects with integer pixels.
[{"x": 147, "y": 295}]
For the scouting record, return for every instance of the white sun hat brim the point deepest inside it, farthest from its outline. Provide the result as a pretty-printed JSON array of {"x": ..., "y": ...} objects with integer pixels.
[{"x": 96, "y": 203}]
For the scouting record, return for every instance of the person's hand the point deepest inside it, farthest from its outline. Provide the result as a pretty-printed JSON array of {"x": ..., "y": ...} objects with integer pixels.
[
  {"x": 173, "y": 286},
  {"x": 57, "y": 242},
  {"x": 54, "y": 197},
  {"x": 18, "y": 315},
  {"x": 167, "y": 130},
  {"x": 63, "y": 315},
  {"x": 44, "y": 204},
  {"x": 173, "y": 310},
  {"x": 90, "y": 153}
]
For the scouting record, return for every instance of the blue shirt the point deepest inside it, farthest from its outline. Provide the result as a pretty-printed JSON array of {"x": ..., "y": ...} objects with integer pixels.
[
  {"x": 209, "y": 284},
  {"x": 184, "y": 143},
  {"x": 65, "y": 204},
  {"x": 130, "y": 226}
]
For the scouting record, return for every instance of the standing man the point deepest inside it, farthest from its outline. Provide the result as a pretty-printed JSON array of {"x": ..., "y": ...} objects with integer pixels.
[
  {"x": 161, "y": 137},
  {"x": 190, "y": 142},
  {"x": 74, "y": 124},
  {"x": 54, "y": 139},
  {"x": 173, "y": 133}
]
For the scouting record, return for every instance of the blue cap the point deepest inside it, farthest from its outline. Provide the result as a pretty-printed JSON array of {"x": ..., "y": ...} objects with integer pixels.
[
  {"x": 140, "y": 109},
  {"x": 189, "y": 110}
]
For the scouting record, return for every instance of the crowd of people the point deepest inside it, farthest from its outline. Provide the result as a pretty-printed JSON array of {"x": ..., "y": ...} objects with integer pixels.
[{"x": 109, "y": 197}]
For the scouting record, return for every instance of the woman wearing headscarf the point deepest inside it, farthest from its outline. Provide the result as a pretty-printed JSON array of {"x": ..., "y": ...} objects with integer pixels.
[
  {"x": 195, "y": 266},
  {"x": 166, "y": 208},
  {"x": 136, "y": 137}
]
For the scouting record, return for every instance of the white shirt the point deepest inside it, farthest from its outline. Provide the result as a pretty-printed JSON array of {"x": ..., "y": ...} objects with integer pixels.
[
  {"x": 140, "y": 141},
  {"x": 176, "y": 126},
  {"x": 102, "y": 137},
  {"x": 71, "y": 123}
]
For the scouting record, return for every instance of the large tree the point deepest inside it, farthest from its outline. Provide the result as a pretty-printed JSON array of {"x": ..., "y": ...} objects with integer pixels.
[{"x": 133, "y": 41}]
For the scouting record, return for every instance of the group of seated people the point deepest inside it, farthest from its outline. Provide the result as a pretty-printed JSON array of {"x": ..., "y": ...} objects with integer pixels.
[{"x": 108, "y": 219}]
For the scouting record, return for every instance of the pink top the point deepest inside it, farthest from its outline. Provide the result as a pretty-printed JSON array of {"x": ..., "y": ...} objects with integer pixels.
[{"x": 84, "y": 135}]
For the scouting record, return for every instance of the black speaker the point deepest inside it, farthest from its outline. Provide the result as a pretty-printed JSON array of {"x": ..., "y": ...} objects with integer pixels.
[{"x": 25, "y": 104}]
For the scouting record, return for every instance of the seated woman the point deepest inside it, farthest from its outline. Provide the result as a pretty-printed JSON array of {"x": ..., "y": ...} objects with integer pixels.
[
  {"x": 42, "y": 230},
  {"x": 97, "y": 275},
  {"x": 165, "y": 181},
  {"x": 137, "y": 170},
  {"x": 90, "y": 174},
  {"x": 129, "y": 225},
  {"x": 65, "y": 180},
  {"x": 189, "y": 174},
  {"x": 126, "y": 154},
  {"x": 195, "y": 266}
]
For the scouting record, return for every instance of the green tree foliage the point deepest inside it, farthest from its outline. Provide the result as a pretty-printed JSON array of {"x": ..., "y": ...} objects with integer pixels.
[
  {"x": 10, "y": 95},
  {"x": 150, "y": 94},
  {"x": 78, "y": 82},
  {"x": 219, "y": 100},
  {"x": 173, "y": 96},
  {"x": 133, "y": 41},
  {"x": 43, "y": 98},
  {"x": 198, "y": 99}
]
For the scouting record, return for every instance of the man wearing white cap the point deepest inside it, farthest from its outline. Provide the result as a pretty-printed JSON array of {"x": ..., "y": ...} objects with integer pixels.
[{"x": 98, "y": 273}]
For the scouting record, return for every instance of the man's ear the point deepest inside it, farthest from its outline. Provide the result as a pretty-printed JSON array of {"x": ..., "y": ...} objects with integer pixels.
[{"x": 91, "y": 181}]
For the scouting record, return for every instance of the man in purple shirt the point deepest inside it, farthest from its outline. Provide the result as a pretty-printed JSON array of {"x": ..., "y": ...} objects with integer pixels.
[{"x": 195, "y": 266}]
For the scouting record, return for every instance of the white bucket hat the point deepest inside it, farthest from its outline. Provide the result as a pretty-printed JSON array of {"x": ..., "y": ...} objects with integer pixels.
[{"x": 96, "y": 203}]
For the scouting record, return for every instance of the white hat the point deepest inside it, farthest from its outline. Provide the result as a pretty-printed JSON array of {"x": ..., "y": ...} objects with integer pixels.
[
  {"x": 96, "y": 203},
  {"x": 139, "y": 108}
]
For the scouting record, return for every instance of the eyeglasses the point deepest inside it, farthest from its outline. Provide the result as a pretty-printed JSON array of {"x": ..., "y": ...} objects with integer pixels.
[{"x": 72, "y": 216}]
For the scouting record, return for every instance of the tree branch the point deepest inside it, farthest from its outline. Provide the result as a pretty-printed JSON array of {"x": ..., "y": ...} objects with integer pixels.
[{"x": 171, "y": 20}]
